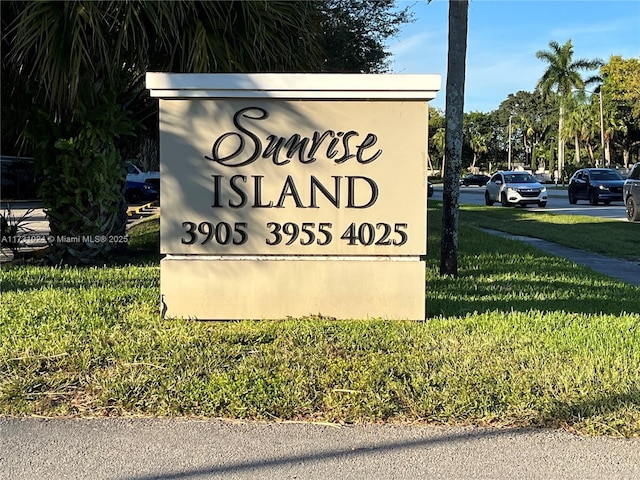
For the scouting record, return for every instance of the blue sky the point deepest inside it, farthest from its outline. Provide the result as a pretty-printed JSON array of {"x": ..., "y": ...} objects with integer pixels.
[{"x": 504, "y": 36}]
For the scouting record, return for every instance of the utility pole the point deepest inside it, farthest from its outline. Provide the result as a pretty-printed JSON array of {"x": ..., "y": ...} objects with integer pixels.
[
  {"x": 509, "y": 142},
  {"x": 602, "y": 127}
]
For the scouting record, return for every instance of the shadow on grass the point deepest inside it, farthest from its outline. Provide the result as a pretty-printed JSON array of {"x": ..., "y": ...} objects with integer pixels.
[
  {"x": 497, "y": 274},
  {"x": 598, "y": 235},
  {"x": 486, "y": 300},
  {"x": 125, "y": 271},
  {"x": 520, "y": 282},
  {"x": 142, "y": 251},
  {"x": 579, "y": 414},
  {"x": 57, "y": 279},
  {"x": 486, "y": 291}
]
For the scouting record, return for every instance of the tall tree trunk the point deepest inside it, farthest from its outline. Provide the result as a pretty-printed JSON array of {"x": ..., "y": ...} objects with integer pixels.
[
  {"x": 591, "y": 156},
  {"x": 534, "y": 167},
  {"x": 576, "y": 143},
  {"x": 458, "y": 14}
]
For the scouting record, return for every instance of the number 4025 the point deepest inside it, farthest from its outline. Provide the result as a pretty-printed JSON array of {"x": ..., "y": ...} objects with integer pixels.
[{"x": 380, "y": 234}]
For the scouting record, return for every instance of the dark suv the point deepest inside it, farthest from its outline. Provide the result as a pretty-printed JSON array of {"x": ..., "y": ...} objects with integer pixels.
[
  {"x": 474, "y": 179},
  {"x": 631, "y": 194},
  {"x": 596, "y": 185}
]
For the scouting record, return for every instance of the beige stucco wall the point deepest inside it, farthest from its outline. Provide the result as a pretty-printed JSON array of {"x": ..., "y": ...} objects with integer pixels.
[
  {"x": 271, "y": 289},
  {"x": 190, "y": 127}
]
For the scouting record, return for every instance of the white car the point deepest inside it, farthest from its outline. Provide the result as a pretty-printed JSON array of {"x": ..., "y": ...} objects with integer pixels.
[{"x": 515, "y": 188}]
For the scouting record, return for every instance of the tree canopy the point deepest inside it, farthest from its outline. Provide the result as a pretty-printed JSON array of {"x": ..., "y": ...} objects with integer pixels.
[
  {"x": 354, "y": 32},
  {"x": 533, "y": 116},
  {"x": 73, "y": 89},
  {"x": 621, "y": 92},
  {"x": 563, "y": 75},
  {"x": 563, "y": 72}
]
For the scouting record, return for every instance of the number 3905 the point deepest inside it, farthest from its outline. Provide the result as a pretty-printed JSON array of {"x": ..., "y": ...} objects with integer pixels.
[{"x": 221, "y": 233}]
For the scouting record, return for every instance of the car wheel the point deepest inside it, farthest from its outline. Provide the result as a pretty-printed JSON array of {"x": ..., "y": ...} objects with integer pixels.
[
  {"x": 504, "y": 201},
  {"x": 593, "y": 198},
  {"x": 542, "y": 204},
  {"x": 572, "y": 198},
  {"x": 487, "y": 199},
  {"x": 633, "y": 213}
]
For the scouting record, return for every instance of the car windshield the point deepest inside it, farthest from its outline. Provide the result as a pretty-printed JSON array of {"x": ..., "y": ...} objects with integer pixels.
[
  {"x": 519, "y": 178},
  {"x": 605, "y": 175}
]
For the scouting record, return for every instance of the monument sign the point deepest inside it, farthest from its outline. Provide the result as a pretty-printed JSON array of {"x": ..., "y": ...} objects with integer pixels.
[{"x": 293, "y": 194}]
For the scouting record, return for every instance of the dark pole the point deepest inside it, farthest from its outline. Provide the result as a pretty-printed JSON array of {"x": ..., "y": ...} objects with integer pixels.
[{"x": 458, "y": 14}]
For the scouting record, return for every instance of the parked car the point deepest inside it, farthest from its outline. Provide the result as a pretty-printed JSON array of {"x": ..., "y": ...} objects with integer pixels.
[
  {"x": 135, "y": 174},
  {"x": 138, "y": 192},
  {"x": 474, "y": 179},
  {"x": 515, "y": 188},
  {"x": 596, "y": 185},
  {"x": 429, "y": 189},
  {"x": 631, "y": 194},
  {"x": 18, "y": 178}
]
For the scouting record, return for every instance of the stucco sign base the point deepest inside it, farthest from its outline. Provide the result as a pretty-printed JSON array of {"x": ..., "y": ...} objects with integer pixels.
[{"x": 226, "y": 289}]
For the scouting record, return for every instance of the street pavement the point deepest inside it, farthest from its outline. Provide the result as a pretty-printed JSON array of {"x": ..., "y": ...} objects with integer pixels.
[{"x": 167, "y": 449}]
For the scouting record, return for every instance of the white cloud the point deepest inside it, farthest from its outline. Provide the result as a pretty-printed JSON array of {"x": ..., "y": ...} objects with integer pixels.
[{"x": 596, "y": 28}]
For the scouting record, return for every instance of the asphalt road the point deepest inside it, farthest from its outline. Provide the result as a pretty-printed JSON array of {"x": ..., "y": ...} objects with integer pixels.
[
  {"x": 558, "y": 203},
  {"x": 144, "y": 449}
]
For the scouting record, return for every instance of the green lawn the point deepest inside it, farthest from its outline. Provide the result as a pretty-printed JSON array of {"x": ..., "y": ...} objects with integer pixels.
[
  {"x": 600, "y": 235},
  {"x": 519, "y": 339}
]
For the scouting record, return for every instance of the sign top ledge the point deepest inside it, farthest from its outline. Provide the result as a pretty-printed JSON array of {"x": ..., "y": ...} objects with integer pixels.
[{"x": 293, "y": 85}]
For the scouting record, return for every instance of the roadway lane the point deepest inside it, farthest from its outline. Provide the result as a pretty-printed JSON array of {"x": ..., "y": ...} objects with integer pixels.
[
  {"x": 190, "y": 449},
  {"x": 558, "y": 203}
]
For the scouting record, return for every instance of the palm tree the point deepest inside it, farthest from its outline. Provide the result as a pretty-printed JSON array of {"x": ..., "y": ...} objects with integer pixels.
[
  {"x": 478, "y": 145},
  {"x": 83, "y": 63},
  {"x": 437, "y": 143},
  {"x": 574, "y": 124},
  {"x": 563, "y": 75},
  {"x": 614, "y": 126},
  {"x": 457, "y": 53},
  {"x": 621, "y": 97}
]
